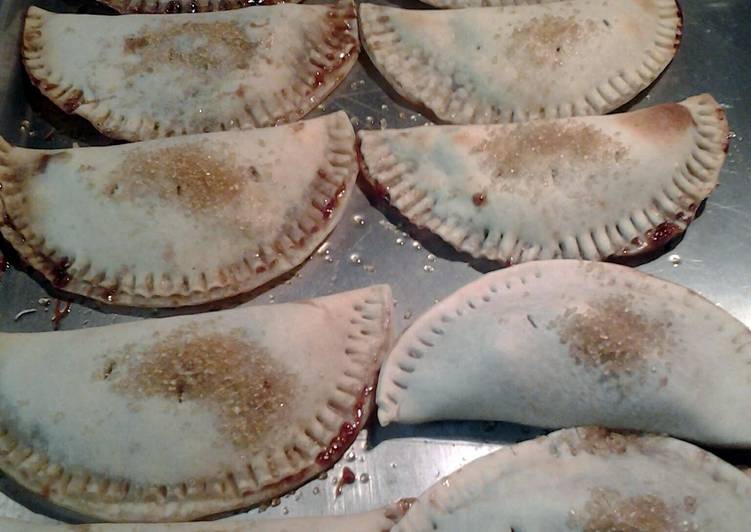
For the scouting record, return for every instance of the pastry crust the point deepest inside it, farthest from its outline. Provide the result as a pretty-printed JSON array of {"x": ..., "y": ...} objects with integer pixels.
[
  {"x": 381, "y": 520},
  {"x": 181, "y": 418},
  {"x": 246, "y": 68},
  {"x": 183, "y": 221},
  {"x": 586, "y": 187},
  {"x": 588, "y": 479},
  {"x": 459, "y": 4},
  {"x": 518, "y": 63},
  {"x": 185, "y": 6},
  {"x": 567, "y": 343}
]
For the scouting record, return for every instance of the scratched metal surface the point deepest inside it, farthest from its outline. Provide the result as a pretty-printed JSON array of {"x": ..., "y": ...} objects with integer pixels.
[{"x": 372, "y": 245}]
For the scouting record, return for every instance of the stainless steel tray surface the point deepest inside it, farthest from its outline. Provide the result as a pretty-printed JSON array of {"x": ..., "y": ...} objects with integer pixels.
[{"x": 373, "y": 244}]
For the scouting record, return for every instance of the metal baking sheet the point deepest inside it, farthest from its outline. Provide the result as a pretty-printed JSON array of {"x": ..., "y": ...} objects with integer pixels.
[{"x": 373, "y": 245}]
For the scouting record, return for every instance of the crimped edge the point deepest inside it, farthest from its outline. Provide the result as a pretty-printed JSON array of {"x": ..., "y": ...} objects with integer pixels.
[
  {"x": 641, "y": 233},
  {"x": 467, "y": 483},
  {"x": 330, "y": 51},
  {"x": 379, "y": 520},
  {"x": 413, "y": 349},
  {"x": 437, "y": 92},
  {"x": 297, "y": 239},
  {"x": 169, "y": 7},
  {"x": 345, "y": 413}
]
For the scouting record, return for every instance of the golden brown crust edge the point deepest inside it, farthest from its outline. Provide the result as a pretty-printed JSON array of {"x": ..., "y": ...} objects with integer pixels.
[
  {"x": 117, "y": 500},
  {"x": 641, "y": 233},
  {"x": 333, "y": 50},
  {"x": 296, "y": 241}
]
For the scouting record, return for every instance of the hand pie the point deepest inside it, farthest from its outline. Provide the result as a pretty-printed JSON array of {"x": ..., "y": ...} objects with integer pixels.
[
  {"x": 567, "y": 343},
  {"x": 178, "y": 221},
  {"x": 138, "y": 77},
  {"x": 185, "y": 6},
  {"x": 381, "y": 520},
  {"x": 180, "y": 418},
  {"x": 588, "y": 480},
  {"x": 517, "y": 63},
  {"x": 588, "y": 187}
]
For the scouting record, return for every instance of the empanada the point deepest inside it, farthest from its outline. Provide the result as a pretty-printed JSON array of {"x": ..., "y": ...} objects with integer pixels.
[
  {"x": 179, "y": 418},
  {"x": 185, "y": 6},
  {"x": 381, "y": 520},
  {"x": 517, "y": 63},
  {"x": 588, "y": 480},
  {"x": 137, "y": 77},
  {"x": 587, "y": 187},
  {"x": 568, "y": 343},
  {"x": 178, "y": 221}
]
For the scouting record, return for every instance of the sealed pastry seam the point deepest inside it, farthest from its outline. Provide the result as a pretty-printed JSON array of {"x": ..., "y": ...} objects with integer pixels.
[
  {"x": 380, "y": 520},
  {"x": 309, "y": 448},
  {"x": 328, "y": 51},
  {"x": 435, "y": 88},
  {"x": 578, "y": 459},
  {"x": 672, "y": 209},
  {"x": 296, "y": 240},
  {"x": 566, "y": 343},
  {"x": 394, "y": 384}
]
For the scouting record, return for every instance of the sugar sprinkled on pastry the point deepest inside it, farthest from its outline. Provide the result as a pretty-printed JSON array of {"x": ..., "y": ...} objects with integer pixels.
[
  {"x": 567, "y": 343},
  {"x": 180, "y": 418},
  {"x": 179, "y": 221},
  {"x": 586, "y": 480},
  {"x": 170, "y": 7},
  {"x": 138, "y": 77},
  {"x": 517, "y": 63},
  {"x": 584, "y": 187}
]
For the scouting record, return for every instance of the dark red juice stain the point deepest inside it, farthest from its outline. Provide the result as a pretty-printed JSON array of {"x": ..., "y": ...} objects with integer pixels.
[
  {"x": 328, "y": 208},
  {"x": 348, "y": 477},
  {"x": 60, "y": 312},
  {"x": 60, "y": 276},
  {"x": 347, "y": 432},
  {"x": 663, "y": 233}
]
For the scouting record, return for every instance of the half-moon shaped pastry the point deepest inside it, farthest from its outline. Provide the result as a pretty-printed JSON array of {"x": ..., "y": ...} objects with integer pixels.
[
  {"x": 567, "y": 343},
  {"x": 381, "y": 520},
  {"x": 587, "y": 187},
  {"x": 517, "y": 63},
  {"x": 178, "y": 221},
  {"x": 137, "y": 77},
  {"x": 179, "y": 418},
  {"x": 588, "y": 480},
  {"x": 185, "y": 6}
]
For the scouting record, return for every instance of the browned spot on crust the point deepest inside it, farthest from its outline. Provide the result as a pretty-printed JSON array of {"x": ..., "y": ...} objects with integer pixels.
[
  {"x": 396, "y": 511},
  {"x": 529, "y": 157},
  {"x": 234, "y": 377},
  {"x": 647, "y": 5},
  {"x": 199, "y": 45},
  {"x": 660, "y": 123},
  {"x": 479, "y": 199},
  {"x": 199, "y": 178},
  {"x": 608, "y": 510},
  {"x": 611, "y": 336},
  {"x": 601, "y": 441},
  {"x": 548, "y": 39}
]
